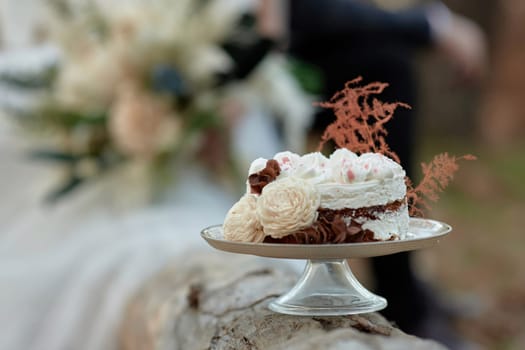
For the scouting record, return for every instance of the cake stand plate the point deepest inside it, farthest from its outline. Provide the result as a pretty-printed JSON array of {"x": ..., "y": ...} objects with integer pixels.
[{"x": 327, "y": 286}]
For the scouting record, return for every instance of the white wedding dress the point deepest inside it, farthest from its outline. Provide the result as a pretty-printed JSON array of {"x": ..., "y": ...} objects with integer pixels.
[{"x": 67, "y": 270}]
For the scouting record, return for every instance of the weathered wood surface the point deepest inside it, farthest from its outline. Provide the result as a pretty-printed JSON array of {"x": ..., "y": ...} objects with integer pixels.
[{"x": 219, "y": 301}]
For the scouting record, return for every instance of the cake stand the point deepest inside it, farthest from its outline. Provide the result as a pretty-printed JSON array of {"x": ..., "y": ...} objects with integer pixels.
[{"x": 327, "y": 286}]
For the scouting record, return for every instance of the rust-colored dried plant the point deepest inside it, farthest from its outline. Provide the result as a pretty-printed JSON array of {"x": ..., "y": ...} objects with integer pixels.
[
  {"x": 360, "y": 127},
  {"x": 436, "y": 177},
  {"x": 360, "y": 123}
]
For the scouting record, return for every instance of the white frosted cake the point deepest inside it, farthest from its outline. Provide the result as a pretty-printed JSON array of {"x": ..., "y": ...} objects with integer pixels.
[{"x": 313, "y": 199}]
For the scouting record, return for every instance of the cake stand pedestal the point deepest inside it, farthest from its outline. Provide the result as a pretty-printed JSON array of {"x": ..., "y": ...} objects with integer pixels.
[{"x": 327, "y": 286}]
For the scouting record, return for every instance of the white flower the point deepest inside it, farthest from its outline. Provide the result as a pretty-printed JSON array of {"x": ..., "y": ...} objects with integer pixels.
[
  {"x": 202, "y": 62},
  {"x": 88, "y": 83},
  {"x": 241, "y": 223},
  {"x": 287, "y": 205},
  {"x": 142, "y": 124}
]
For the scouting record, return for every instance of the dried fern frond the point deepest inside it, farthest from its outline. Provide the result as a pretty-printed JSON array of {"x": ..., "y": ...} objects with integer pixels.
[
  {"x": 360, "y": 123},
  {"x": 360, "y": 127},
  {"x": 436, "y": 177}
]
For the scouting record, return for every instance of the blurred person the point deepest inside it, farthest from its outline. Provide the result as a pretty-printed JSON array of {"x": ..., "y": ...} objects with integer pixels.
[
  {"x": 72, "y": 267},
  {"x": 349, "y": 38}
]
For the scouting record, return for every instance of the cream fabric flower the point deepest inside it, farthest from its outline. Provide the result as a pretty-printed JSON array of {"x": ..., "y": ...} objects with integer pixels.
[
  {"x": 141, "y": 124},
  {"x": 287, "y": 205},
  {"x": 88, "y": 82},
  {"x": 241, "y": 223}
]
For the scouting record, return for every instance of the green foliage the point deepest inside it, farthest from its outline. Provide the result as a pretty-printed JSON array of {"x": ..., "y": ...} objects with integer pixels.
[
  {"x": 54, "y": 115},
  {"x": 202, "y": 120},
  {"x": 54, "y": 156},
  {"x": 71, "y": 184},
  {"x": 39, "y": 80},
  {"x": 309, "y": 77}
]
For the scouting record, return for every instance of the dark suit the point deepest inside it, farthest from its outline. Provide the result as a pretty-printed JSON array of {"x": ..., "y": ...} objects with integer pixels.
[{"x": 346, "y": 39}]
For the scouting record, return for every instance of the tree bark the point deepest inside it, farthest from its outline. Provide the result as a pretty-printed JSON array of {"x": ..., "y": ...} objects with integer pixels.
[
  {"x": 213, "y": 300},
  {"x": 502, "y": 121}
]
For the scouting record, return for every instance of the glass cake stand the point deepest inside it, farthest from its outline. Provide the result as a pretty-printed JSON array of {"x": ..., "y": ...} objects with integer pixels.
[{"x": 327, "y": 286}]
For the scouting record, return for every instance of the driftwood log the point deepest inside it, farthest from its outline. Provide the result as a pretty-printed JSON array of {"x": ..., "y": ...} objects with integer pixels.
[{"x": 219, "y": 301}]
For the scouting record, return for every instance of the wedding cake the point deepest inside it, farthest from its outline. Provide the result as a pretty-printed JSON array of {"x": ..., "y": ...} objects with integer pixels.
[{"x": 313, "y": 199}]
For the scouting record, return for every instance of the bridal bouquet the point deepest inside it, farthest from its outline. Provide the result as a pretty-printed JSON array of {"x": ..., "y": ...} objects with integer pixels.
[{"x": 157, "y": 82}]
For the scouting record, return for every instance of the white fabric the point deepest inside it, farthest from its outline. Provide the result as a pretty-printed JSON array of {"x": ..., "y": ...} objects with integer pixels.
[{"x": 67, "y": 270}]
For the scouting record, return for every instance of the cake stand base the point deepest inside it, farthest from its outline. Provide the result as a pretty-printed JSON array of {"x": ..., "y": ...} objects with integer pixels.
[{"x": 327, "y": 288}]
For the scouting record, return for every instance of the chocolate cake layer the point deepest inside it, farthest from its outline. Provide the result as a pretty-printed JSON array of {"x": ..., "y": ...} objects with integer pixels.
[{"x": 339, "y": 226}]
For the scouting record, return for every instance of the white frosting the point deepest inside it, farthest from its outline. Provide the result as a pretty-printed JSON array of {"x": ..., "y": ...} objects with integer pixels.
[
  {"x": 344, "y": 167},
  {"x": 388, "y": 224},
  {"x": 362, "y": 194},
  {"x": 314, "y": 168},
  {"x": 257, "y": 165},
  {"x": 344, "y": 180},
  {"x": 379, "y": 166},
  {"x": 288, "y": 162}
]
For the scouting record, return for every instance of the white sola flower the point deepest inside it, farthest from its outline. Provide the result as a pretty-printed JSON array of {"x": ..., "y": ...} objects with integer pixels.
[
  {"x": 287, "y": 205},
  {"x": 241, "y": 223}
]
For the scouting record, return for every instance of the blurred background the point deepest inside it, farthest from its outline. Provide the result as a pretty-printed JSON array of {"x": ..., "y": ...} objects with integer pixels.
[
  {"x": 484, "y": 204},
  {"x": 91, "y": 209}
]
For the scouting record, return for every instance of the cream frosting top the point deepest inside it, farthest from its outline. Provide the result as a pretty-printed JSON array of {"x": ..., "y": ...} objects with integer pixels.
[{"x": 344, "y": 180}]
